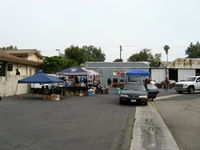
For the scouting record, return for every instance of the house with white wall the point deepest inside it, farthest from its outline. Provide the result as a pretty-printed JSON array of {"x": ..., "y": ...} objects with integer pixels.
[
  {"x": 177, "y": 70},
  {"x": 26, "y": 62}
]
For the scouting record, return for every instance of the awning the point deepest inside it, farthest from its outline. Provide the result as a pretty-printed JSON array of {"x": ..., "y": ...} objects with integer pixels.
[
  {"x": 73, "y": 71},
  {"x": 41, "y": 77},
  {"x": 138, "y": 72}
]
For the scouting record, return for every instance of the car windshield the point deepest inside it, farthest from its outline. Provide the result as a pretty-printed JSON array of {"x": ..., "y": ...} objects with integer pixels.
[
  {"x": 190, "y": 79},
  {"x": 135, "y": 78},
  {"x": 151, "y": 86},
  {"x": 135, "y": 87}
]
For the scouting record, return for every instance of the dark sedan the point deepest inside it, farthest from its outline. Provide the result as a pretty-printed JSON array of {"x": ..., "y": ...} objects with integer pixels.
[{"x": 134, "y": 93}]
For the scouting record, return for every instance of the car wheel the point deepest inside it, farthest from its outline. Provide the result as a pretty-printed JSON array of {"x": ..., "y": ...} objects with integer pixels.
[
  {"x": 121, "y": 102},
  {"x": 146, "y": 103},
  {"x": 190, "y": 90}
]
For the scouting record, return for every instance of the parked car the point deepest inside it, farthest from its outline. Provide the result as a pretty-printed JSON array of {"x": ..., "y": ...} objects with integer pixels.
[
  {"x": 152, "y": 91},
  {"x": 162, "y": 84},
  {"x": 189, "y": 85},
  {"x": 155, "y": 82},
  {"x": 134, "y": 93}
]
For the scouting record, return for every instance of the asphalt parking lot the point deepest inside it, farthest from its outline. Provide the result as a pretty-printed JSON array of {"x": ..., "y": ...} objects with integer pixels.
[
  {"x": 97, "y": 122},
  {"x": 73, "y": 123}
]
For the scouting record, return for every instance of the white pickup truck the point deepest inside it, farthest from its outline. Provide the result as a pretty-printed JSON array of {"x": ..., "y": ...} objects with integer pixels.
[{"x": 189, "y": 85}]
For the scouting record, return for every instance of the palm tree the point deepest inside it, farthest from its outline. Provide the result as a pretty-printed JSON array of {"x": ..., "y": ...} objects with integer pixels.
[{"x": 166, "y": 48}]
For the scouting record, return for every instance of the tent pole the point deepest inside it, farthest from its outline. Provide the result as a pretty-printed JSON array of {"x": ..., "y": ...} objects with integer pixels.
[{"x": 52, "y": 88}]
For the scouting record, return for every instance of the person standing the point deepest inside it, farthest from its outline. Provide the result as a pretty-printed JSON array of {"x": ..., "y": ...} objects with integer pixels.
[
  {"x": 109, "y": 82},
  {"x": 166, "y": 84},
  {"x": 17, "y": 72}
]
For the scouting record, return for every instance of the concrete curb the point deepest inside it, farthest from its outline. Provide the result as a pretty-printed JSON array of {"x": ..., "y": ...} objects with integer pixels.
[{"x": 150, "y": 132}]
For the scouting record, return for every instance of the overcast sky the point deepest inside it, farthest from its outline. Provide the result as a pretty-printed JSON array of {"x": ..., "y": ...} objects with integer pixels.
[{"x": 48, "y": 25}]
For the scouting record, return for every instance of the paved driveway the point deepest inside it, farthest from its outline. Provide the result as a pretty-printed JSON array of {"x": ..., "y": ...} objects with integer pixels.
[
  {"x": 182, "y": 116},
  {"x": 86, "y": 123}
]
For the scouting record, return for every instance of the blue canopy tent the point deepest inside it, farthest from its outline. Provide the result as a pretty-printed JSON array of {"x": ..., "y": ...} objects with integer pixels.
[
  {"x": 41, "y": 77},
  {"x": 137, "y": 72},
  {"x": 73, "y": 71},
  {"x": 136, "y": 75}
]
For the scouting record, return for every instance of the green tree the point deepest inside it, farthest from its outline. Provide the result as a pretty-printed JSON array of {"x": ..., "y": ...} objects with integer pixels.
[
  {"x": 166, "y": 48},
  {"x": 94, "y": 54},
  {"x": 85, "y": 53},
  {"x": 55, "y": 64},
  {"x": 9, "y": 48},
  {"x": 76, "y": 53},
  {"x": 155, "y": 61},
  {"x": 118, "y": 60},
  {"x": 193, "y": 51},
  {"x": 143, "y": 55}
]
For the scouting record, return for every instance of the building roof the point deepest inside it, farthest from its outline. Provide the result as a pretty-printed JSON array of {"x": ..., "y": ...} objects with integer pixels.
[
  {"x": 24, "y": 52},
  {"x": 190, "y": 63},
  {"x": 165, "y": 63},
  {"x": 137, "y": 64},
  {"x": 4, "y": 56}
]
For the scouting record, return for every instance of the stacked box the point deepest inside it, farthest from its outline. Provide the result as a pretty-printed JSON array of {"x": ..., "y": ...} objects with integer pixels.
[
  {"x": 77, "y": 85},
  {"x": 71, "y": 93},
  {"x": 77, "y": 93},
  {"x": 85, "y": 93},
  {"x": 81, "y": 93},
  {"x": 66, "y": 93},
  {"x": 55, "y": 97},
  {"x": 46, "y": 97}
]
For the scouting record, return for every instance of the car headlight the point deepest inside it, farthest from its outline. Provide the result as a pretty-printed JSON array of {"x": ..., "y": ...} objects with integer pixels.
[
  {"x": 123, "y": 95},
  {"x": 185, "y": 85},
  {"x": 143, "y": 97}
]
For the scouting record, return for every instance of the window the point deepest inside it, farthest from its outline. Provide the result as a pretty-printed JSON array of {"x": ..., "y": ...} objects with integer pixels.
[
  {"x": 197, "y": 72},
  {"x": 198, "y": 79},
  {"x": 2, "y": 68},
  {"x": 10, "y": 67}
]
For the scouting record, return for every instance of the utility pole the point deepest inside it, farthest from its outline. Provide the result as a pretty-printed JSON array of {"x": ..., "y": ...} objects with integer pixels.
[
  {"x": 58, "y": 51},
  {"x": 120, "y": 52}
]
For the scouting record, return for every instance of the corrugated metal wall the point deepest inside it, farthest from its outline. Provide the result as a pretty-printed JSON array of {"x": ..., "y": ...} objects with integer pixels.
[{"x": 108, "y": 72}]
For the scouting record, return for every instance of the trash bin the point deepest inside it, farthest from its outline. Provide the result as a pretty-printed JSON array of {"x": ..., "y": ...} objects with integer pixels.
[
  {"x": 90, "y": 92},
  {"x": 117, "y": 91}
]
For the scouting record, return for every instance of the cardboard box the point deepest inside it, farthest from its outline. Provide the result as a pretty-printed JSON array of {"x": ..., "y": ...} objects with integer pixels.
[
  {"x": 71, "y": 93},
  {"x": 85, "y": 93},
  {"x": 77, "y": 85},
  {"x": 55, "y": 97},
  {"x": 46, "y": 97},
  {"x": 66, "y": 93},
  {"x": 77, "y": 93}
]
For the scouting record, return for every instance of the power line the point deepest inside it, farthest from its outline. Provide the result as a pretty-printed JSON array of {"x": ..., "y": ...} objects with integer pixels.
[{"x": 144, "y": 46}]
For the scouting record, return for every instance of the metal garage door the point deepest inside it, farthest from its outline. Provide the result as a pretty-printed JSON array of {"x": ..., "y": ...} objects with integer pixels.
[
  {"x": 158, "y": 74},
  {"x": 183, "y": 73}
]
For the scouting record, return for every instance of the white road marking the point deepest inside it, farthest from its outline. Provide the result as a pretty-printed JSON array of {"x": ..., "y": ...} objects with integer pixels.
[
  {"x": 166, "y": 96},
  {"x": 150, "y": 132}
]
